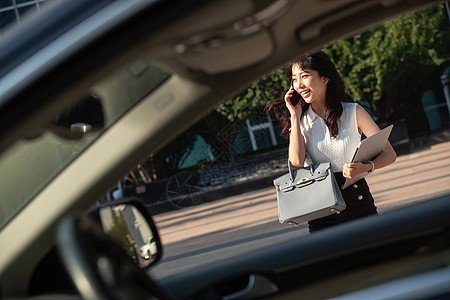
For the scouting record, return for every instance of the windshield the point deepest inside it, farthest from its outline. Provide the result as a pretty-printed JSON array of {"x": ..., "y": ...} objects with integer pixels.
[
  {"x": 212, "y": 193},
  {"x": 29, "y": 165}
]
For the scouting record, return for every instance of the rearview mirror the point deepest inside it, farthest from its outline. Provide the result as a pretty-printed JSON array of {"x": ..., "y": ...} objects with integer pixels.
[{"x": 129, "y": 223}]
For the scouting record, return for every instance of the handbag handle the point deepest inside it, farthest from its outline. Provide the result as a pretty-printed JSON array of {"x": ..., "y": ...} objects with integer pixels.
[{"x": 310, "y": 162}]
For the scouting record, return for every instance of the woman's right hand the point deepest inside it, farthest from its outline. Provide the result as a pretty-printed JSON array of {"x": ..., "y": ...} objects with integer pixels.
[
  {"x": 293, "y": 110},
  {"x": 296, "y": 142}
]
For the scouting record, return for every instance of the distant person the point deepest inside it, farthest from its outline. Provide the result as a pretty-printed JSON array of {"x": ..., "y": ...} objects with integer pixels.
[{"x": 327, "y": 124}]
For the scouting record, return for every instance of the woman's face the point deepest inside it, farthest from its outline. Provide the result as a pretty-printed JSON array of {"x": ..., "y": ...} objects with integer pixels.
[{"x": 309, "y": 84}]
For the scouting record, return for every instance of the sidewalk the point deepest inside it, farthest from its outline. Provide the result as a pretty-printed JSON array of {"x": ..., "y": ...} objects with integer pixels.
[
  {"x": 418, "y": 176},
  {"x": 261, "y": 176},
  {"x": 422, "y": 174}
]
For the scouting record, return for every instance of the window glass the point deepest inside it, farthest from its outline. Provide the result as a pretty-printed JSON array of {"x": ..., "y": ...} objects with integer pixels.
[{"x": 29, "y": 165}]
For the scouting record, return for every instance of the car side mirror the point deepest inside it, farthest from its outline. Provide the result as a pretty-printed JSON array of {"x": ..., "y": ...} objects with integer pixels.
[{"x": 129, "y": 223}]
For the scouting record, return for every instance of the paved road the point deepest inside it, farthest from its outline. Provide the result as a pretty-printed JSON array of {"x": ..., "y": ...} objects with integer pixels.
[{"x": 229, "y": 227}]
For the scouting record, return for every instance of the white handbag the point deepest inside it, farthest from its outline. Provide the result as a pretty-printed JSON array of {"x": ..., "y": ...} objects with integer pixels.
[{"x": 308, "y": 193}]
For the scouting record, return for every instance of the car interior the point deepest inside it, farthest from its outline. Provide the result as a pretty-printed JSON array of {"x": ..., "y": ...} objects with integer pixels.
[{"x": 88, "y": 90}]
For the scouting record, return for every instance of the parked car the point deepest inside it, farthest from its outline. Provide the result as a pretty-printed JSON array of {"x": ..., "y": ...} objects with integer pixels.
[
  {"x": 88, "y": 89},
  {"x": 149, "y": 249}
]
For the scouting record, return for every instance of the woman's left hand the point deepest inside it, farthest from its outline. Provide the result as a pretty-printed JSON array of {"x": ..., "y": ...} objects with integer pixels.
[{"x": 351, "y": 170}]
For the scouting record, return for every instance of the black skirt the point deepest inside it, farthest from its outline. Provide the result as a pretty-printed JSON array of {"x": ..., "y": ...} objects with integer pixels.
[{"x": 359, "y": 203}]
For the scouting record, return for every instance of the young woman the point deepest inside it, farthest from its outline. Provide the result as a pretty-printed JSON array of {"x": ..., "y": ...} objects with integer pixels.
[{"x": 328, "y": 125}]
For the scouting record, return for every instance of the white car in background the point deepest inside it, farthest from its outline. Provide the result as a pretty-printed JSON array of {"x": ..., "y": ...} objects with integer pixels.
[{"x": 149, "y": 249}]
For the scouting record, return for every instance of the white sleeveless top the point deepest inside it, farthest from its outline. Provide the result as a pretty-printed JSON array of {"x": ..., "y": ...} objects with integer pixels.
[{"x": 319, "y": 144}]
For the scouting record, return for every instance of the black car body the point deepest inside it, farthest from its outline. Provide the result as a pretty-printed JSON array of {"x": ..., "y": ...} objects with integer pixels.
[{"x": 157, "y": 67}]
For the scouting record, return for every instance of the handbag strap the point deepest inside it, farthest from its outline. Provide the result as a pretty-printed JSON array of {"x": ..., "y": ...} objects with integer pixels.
[{"x": 310, "y": 162}]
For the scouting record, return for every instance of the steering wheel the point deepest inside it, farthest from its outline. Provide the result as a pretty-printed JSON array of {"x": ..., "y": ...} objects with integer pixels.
[{"x": 99, "y": 267}]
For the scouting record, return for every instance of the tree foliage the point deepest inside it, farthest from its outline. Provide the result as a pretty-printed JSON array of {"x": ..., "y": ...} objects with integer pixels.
[
  {"x": 269, "y": 87},
  {"x": 218, "y": 128},
  {"x": 388, "y": 68},
  {"x": 119, "y": 232}
]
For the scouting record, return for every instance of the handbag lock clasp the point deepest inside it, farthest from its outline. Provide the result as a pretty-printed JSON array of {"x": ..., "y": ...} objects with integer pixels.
[{"x": 302, "y": 180}]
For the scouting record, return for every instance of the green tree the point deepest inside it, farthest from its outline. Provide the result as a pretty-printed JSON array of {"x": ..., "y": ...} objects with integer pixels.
[
  {"x": 269, "y": 87},
  {"x": 219, "y": 128},
  {"x": 119, "y": 232},
  {"x": 388, "y": 68}
]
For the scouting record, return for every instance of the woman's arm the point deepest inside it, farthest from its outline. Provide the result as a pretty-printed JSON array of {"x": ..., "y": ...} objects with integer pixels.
[
  {"x": 367, "y": 126},
  {"x": 297, "y": 149}
]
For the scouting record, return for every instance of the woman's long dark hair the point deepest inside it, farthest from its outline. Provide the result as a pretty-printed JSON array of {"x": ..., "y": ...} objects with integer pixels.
[{"x": 336, "y": 92}]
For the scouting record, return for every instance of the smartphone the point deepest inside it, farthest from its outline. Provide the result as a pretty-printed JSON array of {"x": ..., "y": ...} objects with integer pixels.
[{"x": 295, "y": 98}]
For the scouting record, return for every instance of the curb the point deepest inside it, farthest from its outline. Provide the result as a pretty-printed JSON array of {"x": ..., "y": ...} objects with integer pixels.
[{"x": 214, "y": 194}]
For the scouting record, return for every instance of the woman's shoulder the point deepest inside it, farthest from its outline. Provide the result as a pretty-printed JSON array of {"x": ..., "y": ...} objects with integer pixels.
[
  {"x": 349, "y": 108},
  {"x": 349, "y": 105},
  {"x": 349, "y": 111}
]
